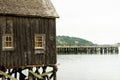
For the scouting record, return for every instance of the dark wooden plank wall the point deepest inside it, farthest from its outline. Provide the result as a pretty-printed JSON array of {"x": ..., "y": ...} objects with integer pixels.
[
  {"x": 23, "y": 30},
  {"x": 52, "y": 39}
]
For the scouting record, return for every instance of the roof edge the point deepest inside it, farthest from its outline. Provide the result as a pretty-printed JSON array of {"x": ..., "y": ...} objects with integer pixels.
[{"x": 24, "y": 15}]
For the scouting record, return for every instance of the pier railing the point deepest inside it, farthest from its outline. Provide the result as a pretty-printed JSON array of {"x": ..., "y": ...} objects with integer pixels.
[{"x": 88, "y": 49}]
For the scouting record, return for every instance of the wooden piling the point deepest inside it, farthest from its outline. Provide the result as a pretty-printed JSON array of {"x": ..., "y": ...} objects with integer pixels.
[{"x": 40, "y": 73}]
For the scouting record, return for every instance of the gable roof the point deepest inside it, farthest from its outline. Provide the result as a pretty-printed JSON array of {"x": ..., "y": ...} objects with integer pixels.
[{"x": 40, "y": 8}]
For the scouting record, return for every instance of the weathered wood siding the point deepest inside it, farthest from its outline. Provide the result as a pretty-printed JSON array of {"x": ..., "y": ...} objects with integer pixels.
[{"x": 23, "y": 30}]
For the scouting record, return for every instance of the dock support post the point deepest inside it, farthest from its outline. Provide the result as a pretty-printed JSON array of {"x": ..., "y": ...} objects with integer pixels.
[
  {"x": 54, "y": 72},
  {"x": 3, "y": 77},
  {"x": 38, "y": 73},
  {"x": 30, "y": 76}
]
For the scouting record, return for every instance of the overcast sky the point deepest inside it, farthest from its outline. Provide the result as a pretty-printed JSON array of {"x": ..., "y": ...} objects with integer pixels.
[{"x": 95, "y": 20}]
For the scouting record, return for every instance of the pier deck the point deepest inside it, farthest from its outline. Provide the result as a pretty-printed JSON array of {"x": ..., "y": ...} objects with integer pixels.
[{"x": 88, "y": 49}]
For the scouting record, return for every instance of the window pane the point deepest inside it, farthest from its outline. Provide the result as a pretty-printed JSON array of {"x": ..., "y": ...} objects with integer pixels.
[
  {"x": 39, "y": 44},
  {"x": 9, "y": 38},
  {"x": 39, "y": 40},
  {"x": 7, "y": 44},
  {"x": 8, "y": 41}
]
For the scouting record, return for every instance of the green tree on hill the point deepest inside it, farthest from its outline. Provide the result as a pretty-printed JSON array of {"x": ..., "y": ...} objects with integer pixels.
[{"x": 72, "y": 41}]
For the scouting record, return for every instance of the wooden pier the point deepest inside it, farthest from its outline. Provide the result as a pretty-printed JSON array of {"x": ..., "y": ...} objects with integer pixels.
[{"x": 88, "y": 49}]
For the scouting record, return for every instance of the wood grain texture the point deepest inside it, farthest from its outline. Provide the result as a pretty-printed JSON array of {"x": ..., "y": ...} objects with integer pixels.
[{"x": 23, "y": 30}]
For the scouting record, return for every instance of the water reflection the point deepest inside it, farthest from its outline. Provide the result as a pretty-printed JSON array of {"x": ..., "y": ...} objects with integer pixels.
[{"x": 89, "y": 67}]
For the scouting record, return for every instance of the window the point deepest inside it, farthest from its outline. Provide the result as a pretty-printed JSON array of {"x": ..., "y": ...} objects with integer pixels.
[
  {"x": 39, "y": 41},
  {"x": 7, "y": 41}
]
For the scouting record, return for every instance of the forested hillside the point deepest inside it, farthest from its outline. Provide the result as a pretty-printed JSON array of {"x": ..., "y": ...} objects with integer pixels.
[{"x": 72, "y": 41}]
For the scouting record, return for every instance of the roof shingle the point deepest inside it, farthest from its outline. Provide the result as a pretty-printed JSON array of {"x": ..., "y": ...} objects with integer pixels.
[{"x": 41, "y": 8}]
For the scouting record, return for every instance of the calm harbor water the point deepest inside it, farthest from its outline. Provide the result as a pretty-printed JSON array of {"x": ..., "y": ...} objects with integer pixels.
[{"x": 88, "y": 67}]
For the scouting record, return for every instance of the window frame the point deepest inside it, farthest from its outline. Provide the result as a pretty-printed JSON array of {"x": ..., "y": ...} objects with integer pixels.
[
  {"x": 38, "y": 43},
  {"x": 7, "y": 42}
]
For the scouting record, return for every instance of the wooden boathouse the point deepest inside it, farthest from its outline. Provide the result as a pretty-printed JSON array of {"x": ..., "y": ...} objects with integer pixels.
[
  {"x": 88, "y": 49},
  {"x": 27, "y": 39}
]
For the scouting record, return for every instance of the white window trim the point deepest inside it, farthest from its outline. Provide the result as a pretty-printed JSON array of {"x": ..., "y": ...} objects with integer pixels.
[
  {"x": 4, "y": 42},
  {"x": 43, "y": 41}
]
